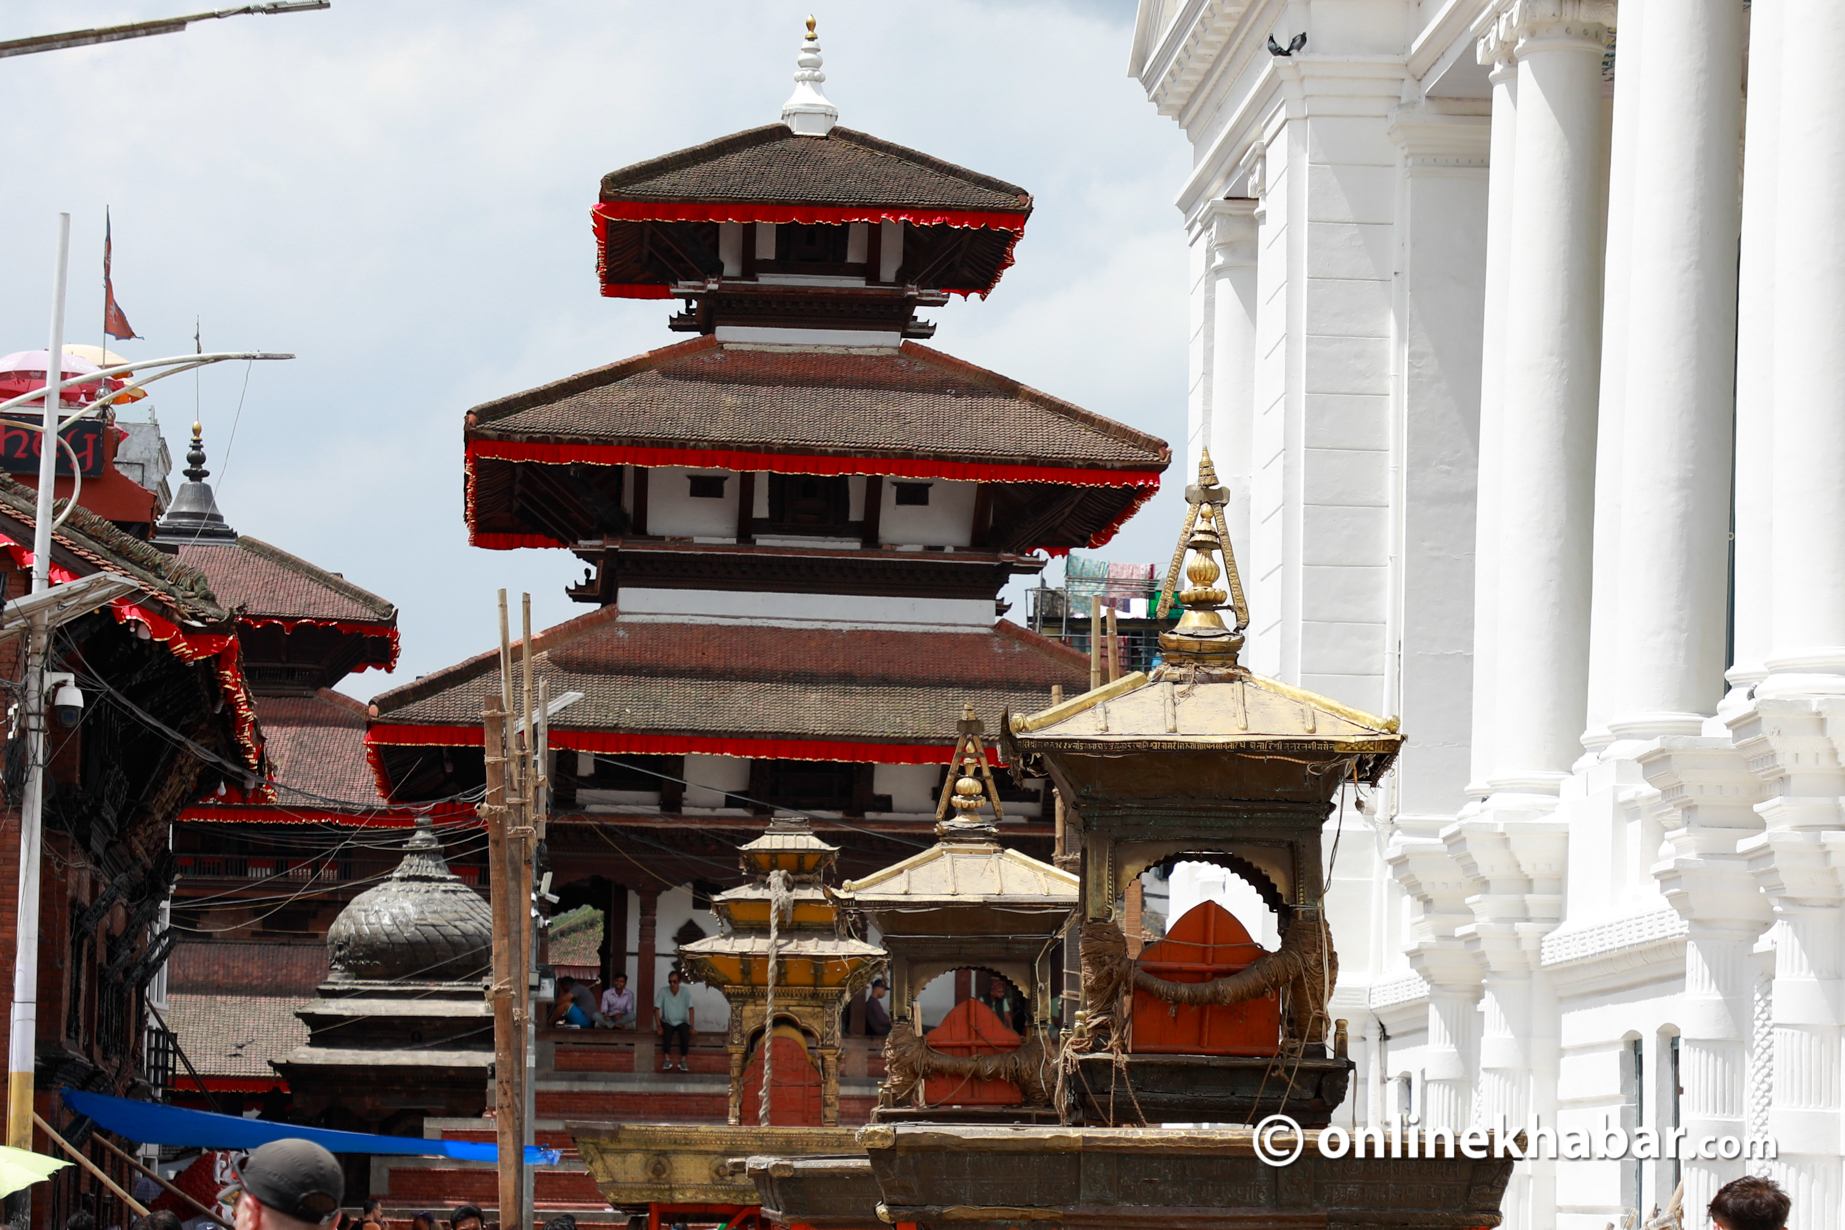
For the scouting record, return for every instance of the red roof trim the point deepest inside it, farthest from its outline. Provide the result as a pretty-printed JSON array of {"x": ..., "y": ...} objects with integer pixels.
[
  {"x": 187, "y": 647},
  {"x": 386, "y": 631},
  {"x": 381, "y": 818},
  {"x": 635, "y": 290},
  {"x": 756, "y": 211}
]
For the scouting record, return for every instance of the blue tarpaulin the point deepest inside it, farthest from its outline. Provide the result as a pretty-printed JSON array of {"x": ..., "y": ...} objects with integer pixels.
[{"x": 150, "y": 1123}]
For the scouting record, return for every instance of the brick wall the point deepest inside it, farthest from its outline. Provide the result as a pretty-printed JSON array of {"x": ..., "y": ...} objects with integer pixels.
[{"x": 243, "y": 967}]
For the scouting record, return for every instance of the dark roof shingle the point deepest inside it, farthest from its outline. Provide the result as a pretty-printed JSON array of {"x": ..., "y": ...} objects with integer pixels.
[
  {"x": 256, "y": 579},
  {"x": 908, "y": 403},
  {"x": 317, "y": 744},
  {"x": 772, "y": 165},
  {"x": 856, "y": 685}
]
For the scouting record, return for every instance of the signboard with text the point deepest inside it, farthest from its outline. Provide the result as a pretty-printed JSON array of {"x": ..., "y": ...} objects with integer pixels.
[{"x": 19, "y": 447}]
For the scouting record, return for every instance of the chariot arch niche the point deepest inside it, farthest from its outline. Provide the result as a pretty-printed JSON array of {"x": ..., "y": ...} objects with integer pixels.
[{"x": 1242, "y": 888}]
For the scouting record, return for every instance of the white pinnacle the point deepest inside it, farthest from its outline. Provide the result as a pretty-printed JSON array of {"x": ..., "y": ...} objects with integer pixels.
[{"x": 807, "y": 110}]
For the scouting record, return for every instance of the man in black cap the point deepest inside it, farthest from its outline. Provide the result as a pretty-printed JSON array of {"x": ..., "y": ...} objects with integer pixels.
[{"x": 289, "y": 1185}]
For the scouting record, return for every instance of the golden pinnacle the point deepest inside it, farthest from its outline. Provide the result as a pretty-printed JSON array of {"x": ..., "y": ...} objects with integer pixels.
[
  {"x": 810, "y": 26},
  {"x": 198, "y": 429}
]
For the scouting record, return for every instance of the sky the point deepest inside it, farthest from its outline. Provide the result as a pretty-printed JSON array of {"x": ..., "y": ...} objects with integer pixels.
[{"x": 398, "y": 194}]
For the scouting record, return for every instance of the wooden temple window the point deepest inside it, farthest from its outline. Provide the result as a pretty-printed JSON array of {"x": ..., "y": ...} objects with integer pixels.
[
  {"x": 826, "y": 249},
  {"x": 819, "y": 504},
  {"x": 707, "y": 486},
  {"x": 911, "y": 493},
  {"x": 815, "y": 785}
]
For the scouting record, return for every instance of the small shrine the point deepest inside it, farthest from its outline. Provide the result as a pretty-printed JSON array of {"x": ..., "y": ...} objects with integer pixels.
[
  {"x": 787, "y": 974},
  {"x": 1201, "y": 760},
  {"x": 401, "y": 1028},
  {"x": 967, "y": 900}
]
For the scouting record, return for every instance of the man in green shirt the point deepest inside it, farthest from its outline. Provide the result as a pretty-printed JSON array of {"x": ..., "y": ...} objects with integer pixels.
[{"x": 672, "y": 1018}]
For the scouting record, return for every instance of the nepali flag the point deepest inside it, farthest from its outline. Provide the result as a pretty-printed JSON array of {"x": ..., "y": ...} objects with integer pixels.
[{"x": 115, "y": 324}]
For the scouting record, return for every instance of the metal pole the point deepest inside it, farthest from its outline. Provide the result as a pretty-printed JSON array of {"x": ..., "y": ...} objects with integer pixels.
[{"x": 24, "y": 1026}]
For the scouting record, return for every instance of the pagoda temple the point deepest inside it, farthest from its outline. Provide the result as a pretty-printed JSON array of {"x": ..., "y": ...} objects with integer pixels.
[{"x": 793, "y": 528}]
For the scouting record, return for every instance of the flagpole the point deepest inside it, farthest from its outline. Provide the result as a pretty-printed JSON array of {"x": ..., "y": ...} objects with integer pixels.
[{"x": 21, "y": 1043}]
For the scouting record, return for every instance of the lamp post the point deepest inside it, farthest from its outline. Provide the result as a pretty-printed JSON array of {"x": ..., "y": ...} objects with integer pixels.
[{"x": 40, "y": 617}]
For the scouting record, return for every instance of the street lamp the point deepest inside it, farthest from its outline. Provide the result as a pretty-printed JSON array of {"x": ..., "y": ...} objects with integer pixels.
[{"x": 40, "y": 612}]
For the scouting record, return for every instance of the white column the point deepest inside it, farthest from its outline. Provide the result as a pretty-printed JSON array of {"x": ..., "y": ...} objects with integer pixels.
[
  {"x": 1752, "y": 597},
  {"x": 1499, "y": 239},
  {"x": 1675, "y": 463},
  {"x": 1552, "y": 361},
  {"x": 1229, "y": 427},
  {"x": 1807, "y": 653},
  {"x": 1604, "y": 610},
  {"x": 1708, "y": 797}
]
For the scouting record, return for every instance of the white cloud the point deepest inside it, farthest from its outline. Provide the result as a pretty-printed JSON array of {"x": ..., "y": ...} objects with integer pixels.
[{"x": 399, "y": 193}]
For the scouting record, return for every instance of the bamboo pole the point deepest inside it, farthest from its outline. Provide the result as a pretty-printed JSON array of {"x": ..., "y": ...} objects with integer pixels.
[
  {"x": 493, "y": 811},
  {"x": 1095, "y": 643},
  {"x": 83, "y": 1159},
  {"x": 1114, "y": 646},
  {"x": 530, "y": 783},
  {"x": 143, "y": 1171}
]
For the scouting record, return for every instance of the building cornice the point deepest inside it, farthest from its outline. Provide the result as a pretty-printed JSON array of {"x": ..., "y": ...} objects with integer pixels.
[
  {"x": 1186, "y": 52},
  {"x": 1503, "y": 30},
  {"x": 1432, "y": 135},
  {"x": 1455, "y": 21}
]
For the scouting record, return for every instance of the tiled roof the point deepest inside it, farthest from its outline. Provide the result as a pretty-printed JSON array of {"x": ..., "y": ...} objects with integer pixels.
[
  {"x": 790, "y": 683},
  {"x": 909, "y": 403},
  {"x": 96, "y": 544},
  {"x": 236, "y": 1035},
  {"x": 256, "y": 579},
  {"x": 772, "y": 165},
  {"x": 221, "y": 967},
  {"x": 317, "y": 744}
]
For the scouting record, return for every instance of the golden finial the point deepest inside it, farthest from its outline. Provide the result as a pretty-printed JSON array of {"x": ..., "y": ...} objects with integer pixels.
[
  {"x": 198, "y": 429},
  {"x": 810, "y": 26},
  {"x": 969, "y": 785},
  {"x": 1201, "y": 634}
]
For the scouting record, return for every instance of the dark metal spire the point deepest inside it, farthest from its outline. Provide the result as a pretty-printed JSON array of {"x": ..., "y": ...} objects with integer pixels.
[{"x": 193, "y": 516}]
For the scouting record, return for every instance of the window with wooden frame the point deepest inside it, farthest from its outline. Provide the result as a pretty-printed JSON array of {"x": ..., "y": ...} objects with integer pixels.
[
  {"x": 707, "y": 486},
  {"x": 911, "y": 493},
  {"x": 809, "y": 504}
]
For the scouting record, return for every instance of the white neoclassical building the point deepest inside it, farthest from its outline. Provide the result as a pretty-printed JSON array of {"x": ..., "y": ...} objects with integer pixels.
[{"x": 1522, "y": 346}]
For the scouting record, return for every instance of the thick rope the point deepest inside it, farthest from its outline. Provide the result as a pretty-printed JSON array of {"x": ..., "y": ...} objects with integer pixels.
[
  {"x": 909, "y": 1061},
  {"x": 1305, "y": 966},
  {"x": 781, "y": 908}
]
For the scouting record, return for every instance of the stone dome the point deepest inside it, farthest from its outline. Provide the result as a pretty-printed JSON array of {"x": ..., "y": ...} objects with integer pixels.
[{"x": 423, "y": 924}]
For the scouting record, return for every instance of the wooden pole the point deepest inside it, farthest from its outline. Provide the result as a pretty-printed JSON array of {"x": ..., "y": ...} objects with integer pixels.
[
  {"x": 505, "y": 1087},
  {"x": 531, "y": 783},
  {"x": 83, "y": 1160},
  {"x": 1095, "y": 643},
  {"x": 1114, "y": 645},
  {"x": 145, "y": 1173}
]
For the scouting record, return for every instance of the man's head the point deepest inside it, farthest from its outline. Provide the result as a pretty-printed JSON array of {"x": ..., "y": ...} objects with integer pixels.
[
  {"x": 672, "y": 980},
  {"x": 289, "y": 1185},
  {"x": 566, "y": 982},
  {"x": 424, "y": 1221},
  {"x": 877, "y": 988},
  {"x": 1750, "y": 1203},
  {"x": 162, "y": 1219},
  {"x": 467, "y": 1217},
  {"x": 82, "y": 1219},
  {"x": 621, "y": 982}
]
